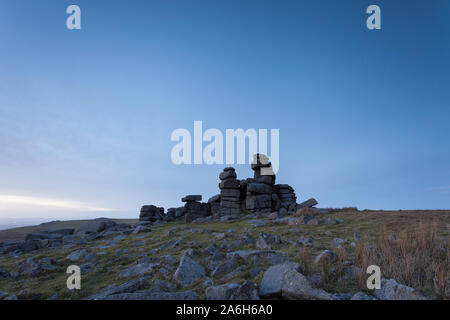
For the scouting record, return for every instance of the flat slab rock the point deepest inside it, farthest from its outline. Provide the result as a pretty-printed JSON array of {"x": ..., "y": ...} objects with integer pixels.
[
  {"x": 192, "y": 198},
  {"x": 188, "y": 271}
]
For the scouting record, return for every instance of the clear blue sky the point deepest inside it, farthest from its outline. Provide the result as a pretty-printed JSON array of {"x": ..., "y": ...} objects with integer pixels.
[{"x": 86, "y": 116}]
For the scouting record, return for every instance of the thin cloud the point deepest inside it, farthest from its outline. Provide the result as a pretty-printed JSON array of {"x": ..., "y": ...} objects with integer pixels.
[
  {"x": 442, "y": 189},
  {"x": 45, "y": 202}
]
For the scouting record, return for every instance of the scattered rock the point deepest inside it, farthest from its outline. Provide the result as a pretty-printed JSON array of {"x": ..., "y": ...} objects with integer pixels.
[
  {"x": 76, "y": 255},
  {"x": 393, "y": 290}
]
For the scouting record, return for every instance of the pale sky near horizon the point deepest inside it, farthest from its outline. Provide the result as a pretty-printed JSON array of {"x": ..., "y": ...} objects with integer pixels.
[{"x": 86, "y": 116}]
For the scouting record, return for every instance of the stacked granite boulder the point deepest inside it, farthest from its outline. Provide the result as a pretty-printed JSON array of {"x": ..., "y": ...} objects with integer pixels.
[
  {"x": 259, "y": 194},
  {"x": 286, "y": 196},
  {"x": 230, "y": 193},
  {"x": 214, "y": 203},
  {"x": 151, "y": 213},
  {"x": 194, "y": 208},
  {"x": 259, "y": 190}
]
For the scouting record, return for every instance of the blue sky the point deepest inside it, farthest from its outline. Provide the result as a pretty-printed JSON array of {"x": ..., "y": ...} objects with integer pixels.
[{"x": 86, "y": 116}]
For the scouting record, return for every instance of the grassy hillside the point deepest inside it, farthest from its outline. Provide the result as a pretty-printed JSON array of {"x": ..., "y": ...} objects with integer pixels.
[{"x": 114, "y": 256}]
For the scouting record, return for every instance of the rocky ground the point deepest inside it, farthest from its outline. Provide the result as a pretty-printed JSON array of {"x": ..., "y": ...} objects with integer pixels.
[{"x": 309, "y": 254}]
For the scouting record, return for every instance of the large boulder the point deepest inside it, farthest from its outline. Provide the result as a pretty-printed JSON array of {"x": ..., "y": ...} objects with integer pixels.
[{"x": 285, "y": 281}]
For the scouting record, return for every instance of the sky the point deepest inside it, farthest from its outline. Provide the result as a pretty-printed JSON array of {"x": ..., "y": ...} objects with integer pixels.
[{"x": 86, "y": 116}]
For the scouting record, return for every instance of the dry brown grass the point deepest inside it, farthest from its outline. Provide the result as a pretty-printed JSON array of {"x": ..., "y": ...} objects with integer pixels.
[
  {"x": 305, "y": 260},
  {"x": 415, "y": 257}
]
